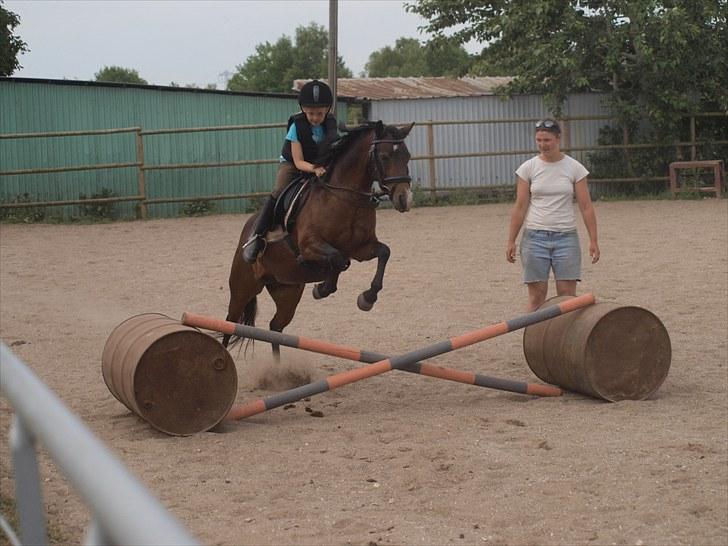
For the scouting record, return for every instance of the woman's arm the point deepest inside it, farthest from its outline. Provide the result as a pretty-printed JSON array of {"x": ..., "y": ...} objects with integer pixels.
[
  {"x": 581, "y": 191},
  {"x": 301, "y": 164},
  {"x": 523, "y": 196}
]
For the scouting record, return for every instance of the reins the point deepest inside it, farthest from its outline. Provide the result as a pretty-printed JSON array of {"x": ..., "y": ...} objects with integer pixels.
[{"x": 372, "y": 199}]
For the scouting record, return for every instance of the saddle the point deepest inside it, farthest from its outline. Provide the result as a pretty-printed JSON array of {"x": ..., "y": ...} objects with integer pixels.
[{"x": 291, "y": 201}]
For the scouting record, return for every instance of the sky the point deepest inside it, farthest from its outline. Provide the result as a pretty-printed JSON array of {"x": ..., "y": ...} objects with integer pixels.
[{"x": 190, "y": 42}]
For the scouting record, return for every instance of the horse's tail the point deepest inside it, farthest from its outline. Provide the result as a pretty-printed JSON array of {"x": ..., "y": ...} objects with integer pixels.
[
  {"x": 250, "y": 312},
  {"x": 248, "y": 319}
]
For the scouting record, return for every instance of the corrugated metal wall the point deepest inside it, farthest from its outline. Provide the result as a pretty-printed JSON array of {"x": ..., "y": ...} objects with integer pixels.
[
  {"x": 452, "y": 139},
  {"x": 29, "y": 106}
]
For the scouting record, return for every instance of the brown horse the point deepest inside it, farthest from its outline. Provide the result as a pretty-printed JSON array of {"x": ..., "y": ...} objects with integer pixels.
[{"x": 336, "y": 223}]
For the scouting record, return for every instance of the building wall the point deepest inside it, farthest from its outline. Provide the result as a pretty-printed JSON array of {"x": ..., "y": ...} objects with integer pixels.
[
  {"x": 30, "y": 106},
  {"x": 452, "y": 139}
]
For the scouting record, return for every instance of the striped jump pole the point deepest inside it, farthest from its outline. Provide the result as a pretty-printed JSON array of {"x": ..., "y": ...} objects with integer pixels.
[
  {"x": 358, "y": 355},
  {"x": 398, "y": 362}
]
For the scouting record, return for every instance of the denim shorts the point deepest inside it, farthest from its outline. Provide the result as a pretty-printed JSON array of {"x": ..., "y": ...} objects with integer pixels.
[{"x": 544, "y": 250}]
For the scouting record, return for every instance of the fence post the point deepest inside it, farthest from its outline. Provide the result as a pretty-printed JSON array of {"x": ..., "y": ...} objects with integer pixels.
[
  {"x": 565, "y": 133},
  {"x": 431, "y": 160},
  {"x": 625, "y": 151},
  {"x": 27, "y": 485},
  {"x": 142, "y": 207},
  {"x": 693, "y": 151}
]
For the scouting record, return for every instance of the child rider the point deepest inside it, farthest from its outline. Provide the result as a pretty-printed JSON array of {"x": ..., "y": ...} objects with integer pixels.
[{"x": 310, "y": 133}]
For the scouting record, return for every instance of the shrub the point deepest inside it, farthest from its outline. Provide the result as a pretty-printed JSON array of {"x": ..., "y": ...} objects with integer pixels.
[
  {"x": 198, "y": 207},
  {"x": 99, "y": 211},
  {"x": 26, "y": 215}
]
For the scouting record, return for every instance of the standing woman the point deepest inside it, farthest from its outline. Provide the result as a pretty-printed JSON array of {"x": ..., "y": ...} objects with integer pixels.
[{"x": 546, "y": 187}]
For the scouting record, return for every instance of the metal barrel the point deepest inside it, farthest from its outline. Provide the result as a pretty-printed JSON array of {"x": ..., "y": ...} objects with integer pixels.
[
  {"x": 178, "y": 379},
  {"x": 605, "y": 350}
]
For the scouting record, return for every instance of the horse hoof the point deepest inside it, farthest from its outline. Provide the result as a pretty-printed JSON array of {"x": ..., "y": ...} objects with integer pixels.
[
  {"x": 316, "y": 294},
  {"x": 363, "y": 304}
]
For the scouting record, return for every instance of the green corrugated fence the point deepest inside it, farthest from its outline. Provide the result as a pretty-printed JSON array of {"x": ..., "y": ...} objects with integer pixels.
[{"x": 156, "y": 118}]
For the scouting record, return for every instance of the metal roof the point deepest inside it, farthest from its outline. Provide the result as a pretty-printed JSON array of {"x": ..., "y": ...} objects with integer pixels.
[
  {"x": 118, "y": 85},
  {"x": 413, "y": 88}
]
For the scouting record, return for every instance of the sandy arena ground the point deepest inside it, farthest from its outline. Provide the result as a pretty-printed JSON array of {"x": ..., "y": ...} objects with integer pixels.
[{"x": 399, "y": 458}]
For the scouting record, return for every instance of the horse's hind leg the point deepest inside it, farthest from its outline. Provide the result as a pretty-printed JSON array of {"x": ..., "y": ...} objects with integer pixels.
[
  {"x": 286, "y": 298},
  {"x": 244, "y": 287}
]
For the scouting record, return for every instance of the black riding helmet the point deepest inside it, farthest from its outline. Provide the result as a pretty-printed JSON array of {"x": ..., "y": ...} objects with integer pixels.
[{"x": 315, "y": 93}]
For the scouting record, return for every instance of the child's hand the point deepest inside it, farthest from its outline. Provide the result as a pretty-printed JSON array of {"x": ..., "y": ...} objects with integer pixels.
[{"x": 319, "y": 171}]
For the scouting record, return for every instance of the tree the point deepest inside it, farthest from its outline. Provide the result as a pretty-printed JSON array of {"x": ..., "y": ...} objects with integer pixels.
[
  {"x": 408, "y": 57},
  {"x": 662, "y": 59},
  {"x": 273, "y": 67},
  {"x": 119, "y": 74},
  {"x": 10, "y": 45},
  {"x": 404, "y": 59}
]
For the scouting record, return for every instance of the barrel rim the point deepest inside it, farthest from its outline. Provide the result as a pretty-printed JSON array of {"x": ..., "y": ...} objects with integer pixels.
[{"x": 591, "y": 370}]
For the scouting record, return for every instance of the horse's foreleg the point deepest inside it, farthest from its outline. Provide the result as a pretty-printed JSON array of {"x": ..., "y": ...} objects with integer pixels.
[
  {"x": 328, "y": 287},
  {"x": 366, "y": 299},
  {"x": 333, "y": 261}
]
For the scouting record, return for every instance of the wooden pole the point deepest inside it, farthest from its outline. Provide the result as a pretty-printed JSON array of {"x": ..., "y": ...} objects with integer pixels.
[
  {"x": 402, "y": 361},
  {"x": 142, "y": 206},
  {"x": 333, "y": 49},
  {"x": 431, "y": 161},
  {"x": 360, "y": 355}
]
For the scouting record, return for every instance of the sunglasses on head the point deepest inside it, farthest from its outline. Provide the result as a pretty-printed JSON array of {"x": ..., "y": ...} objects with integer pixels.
[{"x": 548, "y": 124}]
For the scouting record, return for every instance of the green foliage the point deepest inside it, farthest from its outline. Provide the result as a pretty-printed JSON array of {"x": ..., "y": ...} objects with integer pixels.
[
  {"x": 691, "y": 181},
  {"x": 273, "y": 67},
  {"x": 253, "y": 204},
  {"x": 10, "y": 45},
  {"x": 25, "y": 215},
  {"x": 627, "y": 163},
  {"x": 119, "y": 74},
  {"x": 354, "y": 114},
  {"x": 198, "y": 207},
  {"x": 408, "y": 57},
  {"x": 651, "y": 162},
  {"x": 99, "y": 211},
  {"x": 659, "y": 59}
]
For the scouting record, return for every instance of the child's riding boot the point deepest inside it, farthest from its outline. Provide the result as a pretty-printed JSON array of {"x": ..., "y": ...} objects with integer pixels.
[{"x": 257, "y": 240}]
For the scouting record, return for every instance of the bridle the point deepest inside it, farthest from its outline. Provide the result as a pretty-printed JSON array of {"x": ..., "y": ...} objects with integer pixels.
[
  {"x": 380, "y": 182},
  {"x": 375, "y": 166}
]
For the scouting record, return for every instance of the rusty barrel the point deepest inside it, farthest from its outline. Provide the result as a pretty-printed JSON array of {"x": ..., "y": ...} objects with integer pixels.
[
  {"x": 605, "y": 350},
  {"x": 177, "y": 378}
]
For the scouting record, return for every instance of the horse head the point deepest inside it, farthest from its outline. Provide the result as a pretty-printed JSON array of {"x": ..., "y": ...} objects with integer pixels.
[
  {"x": 371, "y": 159},
  {"x": 388, "y": 162}
]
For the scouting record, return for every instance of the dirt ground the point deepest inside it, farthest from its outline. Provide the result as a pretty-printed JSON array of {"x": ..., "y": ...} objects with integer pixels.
[{"x": 398, "y": 458}]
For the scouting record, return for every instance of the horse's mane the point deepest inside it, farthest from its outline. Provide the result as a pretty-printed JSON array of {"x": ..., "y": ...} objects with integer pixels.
[{"x": 341, "y": 145}]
